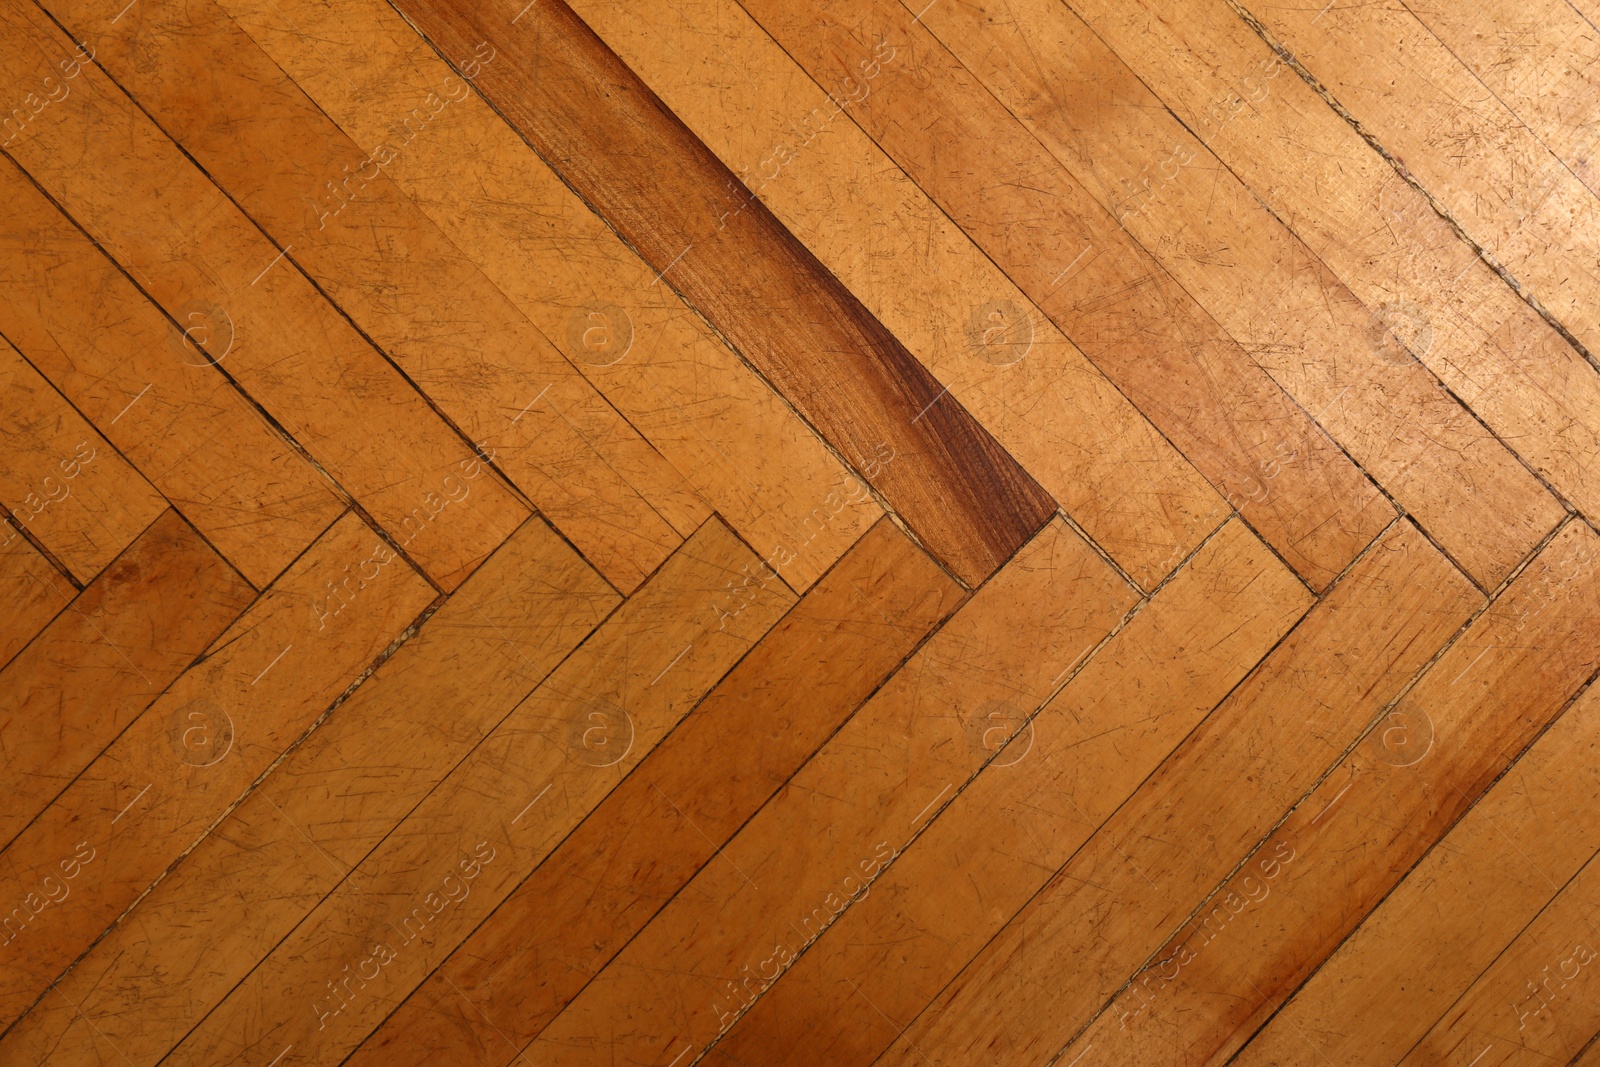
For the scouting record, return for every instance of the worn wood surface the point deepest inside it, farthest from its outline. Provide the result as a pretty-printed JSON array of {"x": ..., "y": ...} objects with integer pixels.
[{"x": 734, "y": 532}]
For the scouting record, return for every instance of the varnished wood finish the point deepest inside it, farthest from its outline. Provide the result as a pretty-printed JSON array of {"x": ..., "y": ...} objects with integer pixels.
[{"x": 739, "y": 532}]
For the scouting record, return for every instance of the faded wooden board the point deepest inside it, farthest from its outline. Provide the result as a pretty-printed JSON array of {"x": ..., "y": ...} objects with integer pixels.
[
  {"x": 1161, "y": 855},
  {"x": 59, "y": 478},
  {"x": 101, "y": 663},
  {"x": 741, "y": 447},
  {"x": 1540, "y": 1001},
  {"x": 1399, "y": 972},
  {"x": 1484, "y": 167},
  {"x": 117, "y": 175},
  {"x": 1071, "y": 259},
  {"x": 150, "y": 392},
  {"x": 815, "y": 847},
  {"x": 445, "y": 324},
  {"x": 32, "y": 592},
  {"x": 487, "y": 825},
  {"x": 623, "y": 152},
  {"x": 1430, "y": 296},
  {"x": 1261, "y": 284},
  {"x": 1026, "y": 813},
  {"x": 673, "y": 815},
  {"x": 915, "y": 271},
  {"x": 1368, "y": 824},
  {"x": 181, "y": 763},
  {"x": 337, "y": 795}
]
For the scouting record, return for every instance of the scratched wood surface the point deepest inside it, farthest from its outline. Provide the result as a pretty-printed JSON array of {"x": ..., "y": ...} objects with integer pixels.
[{"x": 744, "y": 532}]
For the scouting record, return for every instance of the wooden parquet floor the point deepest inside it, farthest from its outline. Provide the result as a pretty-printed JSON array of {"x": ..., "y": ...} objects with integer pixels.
[{"x": 777, "y": 533}]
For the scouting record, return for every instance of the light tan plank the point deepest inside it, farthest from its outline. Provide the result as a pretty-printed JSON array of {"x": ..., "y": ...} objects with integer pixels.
[
  {"x": 191, "y": 249},
  {"x": 474, "y": 838},
  {"x": 149, "y": 391},
  {"x": 337, "y": 795},
  {"x": 181, "y": 763},
  {"x": 741, "y": 447}
]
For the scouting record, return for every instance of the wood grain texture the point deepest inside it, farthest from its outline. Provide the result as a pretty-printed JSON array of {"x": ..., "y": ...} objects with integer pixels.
[
  {"x": 1369, "y": 822},
  {"x": 59, "y": 478},
  {"x": 914, "y": 270},
  {"x": 490, "y": 822},
  {"x": 1161, "y": 855},
  {"x": 401, "y": 280},
  {"x": 815, "y": 848},
  {"x": 1295, "y": 317},
  {"x": 1072, "y": 260},
  {"x": 191, "y": 249},
  {"x": 32, "y": 592},
  {"x": 570, "y": 918},
  {"x": 1398, "y": 973},
  {"x": 1485, "y": 168},
  {"x": 316, "y": 815},
  {"x": 106, "y": 658},
  {"x": 1430, "y": 296},
  {"x": 179, "y": 765},
  {"x": 738, "y": 443},
  {"x": 997, "y": 843},
  {"x": 607, "y": 135}
]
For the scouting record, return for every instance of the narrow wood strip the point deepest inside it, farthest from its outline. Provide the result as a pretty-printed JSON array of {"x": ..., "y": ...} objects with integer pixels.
[
  {"x": 1072, "y": 260},
  {"x": 1540, "y": 1001},
  {"x": 1369, "y": 823},
  {"x": 1264, "y": 286},
  {"x": 735, "y": 440},
  {"x": 104, "y": 659},
  {"x": 915, "y": 271},
  {"x": 326, "y": 806},
  {"x": 1027, "y": 812},
  {"x": 815, "y": 848},
  {"x": 1429, "y": 295},
  {"x": 193, "y": 252},
  {"x": 675, "y": 813},
  {"x": 179, "y": 765},
  {"x": 619, "y": 147},
  {"x": 32, "y": 592},
  {"x": 1417, "y": 100},
  {"x": 61, "y": 480},
  {"x": 149, "y": 391},
  {"x": 399, "y": 278},
  {"x": 498, "y": 814},
  {"x": 1419, "y": 950},
  {"x": 1164, "y": 851}
]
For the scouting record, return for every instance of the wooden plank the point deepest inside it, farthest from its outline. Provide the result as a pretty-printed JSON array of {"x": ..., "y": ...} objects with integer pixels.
[
  {"x": 1071, "y": 259},
  {"x": 1538, "y": 1003},
  {"x": 1399, "y": 972},
  {"x": 186, "y": 758},
  {"x": 61, "y": 480},
  {"x": 645, "y": 173},
  {"x": 327, "y": 805},
  {"x": 916, "y": 272},
  {"x": 398, "y": 277},
  {"x": 101, "y": 663},
  {"x": 1261, "y": 284},
  {"x": 1161, "y": 855},
  {"x": 816, "y": 846},
  {"x": 32, "y": 591},
  {"x": 1590, "y": 1056},
  {"x": 1365, "y": 827},
  {"x": 1484, "y": 168},
  {"x": 498, "y": 814},
  {"x": 112, "y": 353},
  {"x": 193, "y": 251},
  {"x": 738, "y": 443},
  {"x": 672, "y": 815},
  {"x": 1429, "y": 294},
  {"x": 1027, "y": 812}
]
